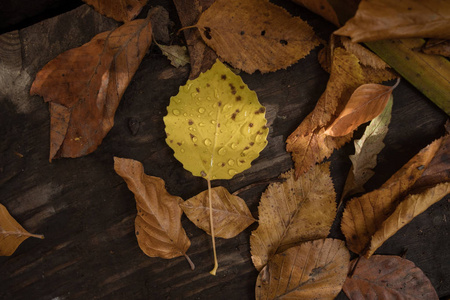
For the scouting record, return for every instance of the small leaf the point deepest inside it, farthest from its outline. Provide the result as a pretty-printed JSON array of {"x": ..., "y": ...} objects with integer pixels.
[
  {"x": 176, "y": 54},
  {"x": 84, "y": 87},
  {"x": 366, "y": 103},
  {"x": 158, "y": 221},
  {"x": 366, "y": 151},
  {"x": 230, "y": 213},
  {"x": 255, "y": 35},
  {"x": 119, "y": 10},
  {"x": 364, "y": 215},
  {"x": 384, "y": 19},
  {"x": 322, "y": 8},
  {"x": 388, "y": 277},
  {"x": 292, "y": 212},
  {"x": 12, "y": 234},
  {"x": 437, "y": 47},
  {"x": 312, "y": 270},
  {"x": 216, "y": 125}
]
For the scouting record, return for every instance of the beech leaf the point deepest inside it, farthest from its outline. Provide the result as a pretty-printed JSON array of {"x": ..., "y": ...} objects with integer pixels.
[
  {"x": 366, "y": 103},
  {"x": 312, "y": 270},
  {"x": 216, "y": 125},
  {"x": 12, "y": 234},
  {"x": 158, "y": 221},
  {"x": 176, "y": 54},
  {"x": 84, "y": 86},
  {"x": 385, "y": 19},
  {"x": 255, "y": 35},
  {"x": 366, "y": 151},
  {"x": 292, "y": 212},
  {"x": 364, "y": 216},
  {"x": 388, "y": 277},
  {"x": 230, "y": 213},
  {"x": 119, "y": 10}
]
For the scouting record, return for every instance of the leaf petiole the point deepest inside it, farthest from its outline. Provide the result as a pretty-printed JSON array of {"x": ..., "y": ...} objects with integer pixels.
[{"x": 211, "y": 222}]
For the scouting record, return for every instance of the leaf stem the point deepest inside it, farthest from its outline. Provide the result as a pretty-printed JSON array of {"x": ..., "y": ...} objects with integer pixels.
[
  {"x": 191, "y": 264},
  {"x": 22, "y": 233},
  {"x": 211, "y": 223},
  {"x": 186, "y": 27}
]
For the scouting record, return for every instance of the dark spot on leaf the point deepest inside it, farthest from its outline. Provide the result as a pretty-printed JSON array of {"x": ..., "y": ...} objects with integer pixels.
[
  {"x": 265, "y": 127},
  {"x": 407, "y": 57},
  {"x": 233, "y": 89},
  {"x": 409, "y": 8},
  {"x": 263, "y": 33},
  {"x": 242, "y": 161},
  {"x": 207, "y": 33},
  {"x": 195, "y": 145},
  {"x": 242, "y": 32},
  {"x": 250, "y": 125},
  {"x": 259, "y": 132},
  {"x": 191, "y": 135},
  {"x": 238, "y": 111},
  {"x": 223, "y": 77},
  {"x": 171, "y": 141},
  {"x": 137, "y": 232},
  {"x": 190, "y": 122},
  {"x": 219, "y": 103},
  {"x": 233, "y": 116},
  {"x": 283, "y": 42},
  {"x": 322, "y": 7},
  {"x": 223, "y": 164},
  {"x": 251, "y": 143},
  {"x": 261, "y": 110},
  {"x": 198, "y": 90},
  {"x": 129, "y": 7},
  {"x": 207, "y": 85},
  {"x": 179, "y": 144},
  {"x": 241, "y": 87},
  {"x": 63, "y": 74},
  {"x": 203, "y": 173},
  {"x": 246, "y": 148},
  {"x": 218, "y": 124},
  {"x": 238, "y": 98}
]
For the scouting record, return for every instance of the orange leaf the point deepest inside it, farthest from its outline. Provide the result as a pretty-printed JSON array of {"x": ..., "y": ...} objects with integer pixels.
[
  {"x": 158, "y": 221},
  {"x": 11, "y": 233},
  {"x": 255, "y": 35},
  {"x": 84, "y": 86},
  {"x": 366, "y": 103},
  {"x": 119, "y": 10},
  {"x": 388, "y": 277}
]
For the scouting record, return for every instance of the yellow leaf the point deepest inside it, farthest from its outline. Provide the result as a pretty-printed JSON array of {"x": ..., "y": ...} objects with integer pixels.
[
  {"x": 216, "y": 125},
  {"x": 292, "y": 212},
  {"x": 312, "y": 270},
  {"x": 230, "y": 213},
  {"x": 11, "y": 233},
  {"x": 255, "y": 34}
]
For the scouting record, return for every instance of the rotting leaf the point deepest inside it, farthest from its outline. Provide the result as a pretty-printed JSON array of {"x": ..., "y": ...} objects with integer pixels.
[
  {"x": 312, "y": 270},
  {"x": 437, "y": 47},
  {"x": 292, "y": 212},
  {"x": 176, "y": 54},
  {"x": 119, "y": 10},
  {"x": 230, "y": 213},
  {"x": 255, "y": 35},
  {"x": 12, "y": 234},
  {"x": 363, "y": 216},
  {"x": 388, "y": 277},
  {"x": 366, "y": 151},
  {"x": 158, "y": 221},
  {"x": 385, "y": 19},
  {"x": 84, "y": 87},
  {"x": 366, "y": 103}
]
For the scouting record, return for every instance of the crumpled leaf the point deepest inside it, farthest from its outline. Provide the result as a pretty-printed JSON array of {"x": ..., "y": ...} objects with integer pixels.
[
  {"x": 84, "y": 87},
  {"x": 385, "y": 19},
  {"x": 364, "y": 216},
  {"x": 158, "y": 221},
  {"x": 216, "y": 125},
  {"x": 119, "y": 10},
  {"x": 12, "y": 234},
  {"x": 365, "y": 56},
  {"x": 312, "y": 270},
  {"x": 366, "y": 103},
  {"x": 201, "y": 56},
  {"x": 176, "y": 54},
  {"x": 255, "y": 35},
  {"x": 292, "y": 212},
  {"x": 437, "y": 47},
  {"x": 366, "y": 151},
  {"x": 388, "y": 277},
  {"x": 231, "y": 214}
]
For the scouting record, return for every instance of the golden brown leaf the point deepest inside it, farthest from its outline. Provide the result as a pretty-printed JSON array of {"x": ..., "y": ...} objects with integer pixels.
[
  {"x": 230, "y": 213},
  {"x": 312, "y": 270},
  {"x": 364, "y": 215},
  {"x": 292, "y": 212},
  {"x": 119, "y": 10},
  {"x": 12, "y": 234},
  {"x": 365, "y": 56},
  {"x": 84, "y": 86},
  {"x": 386, "y": 19},
  {"x": 388, "y": 277},
  {"x": 255, "y": 34},
  {"x": 158, "y": 221},
  {"x": 437, "y": 47},
  {"x": 322, "y": 8},
  {"x": 366, "y": 103}
]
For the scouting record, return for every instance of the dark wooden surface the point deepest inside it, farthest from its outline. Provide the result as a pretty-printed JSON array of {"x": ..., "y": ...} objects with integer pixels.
[{"x": 86, "y": 212}]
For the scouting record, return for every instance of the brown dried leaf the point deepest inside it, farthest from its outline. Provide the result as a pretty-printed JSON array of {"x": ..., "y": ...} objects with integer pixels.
[
  {"x": 388, "y": 277},
  {"x": 322, "y": 8},
  {"x": 84, "y": 87},
  {"x": 366, "y": 103},
  {"x": 201, "y": 56},
  {"x": 292, "y": 212},
  {"x": 363, "y": 216},
  {"x": 12, "y": 234},
  {"x": 119, "y": 10},
  {"x": 255, "y": 35},
  {"x": 230, "y": 213},
  {"x": 312, "y": 270},
  {"x": 158, "y": 221},
  {"x": 437, "y": 47},
  {"x": 365, "y": 56},
  {"x": 386, "y": 19}
]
